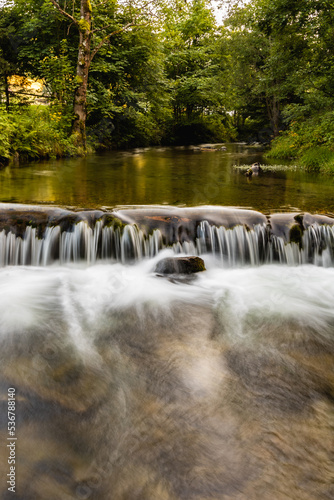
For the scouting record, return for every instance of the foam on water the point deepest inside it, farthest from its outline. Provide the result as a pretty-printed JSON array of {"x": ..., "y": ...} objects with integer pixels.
[
  {"x": 83, "y": 295},
  {"x": 128, "y": 382}
]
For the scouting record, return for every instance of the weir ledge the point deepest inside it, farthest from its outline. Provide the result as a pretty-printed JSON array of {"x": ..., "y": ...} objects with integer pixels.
[{"x": 175, "y": 224}]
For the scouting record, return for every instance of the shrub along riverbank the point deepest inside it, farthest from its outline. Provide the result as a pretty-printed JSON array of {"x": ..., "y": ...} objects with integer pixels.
[
  {"x": 34, "y": 133},
  {"x": 42, "y": 132},
  {"x": 309, "y": 142},
  {"x": 37, "y": 132}
]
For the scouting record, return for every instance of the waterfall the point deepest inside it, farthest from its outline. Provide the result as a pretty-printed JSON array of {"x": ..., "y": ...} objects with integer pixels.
[
  {"x": 129, "y": 385},
  {"x": 81, "y": 243},
  {"x": 240, "y": 246},
  {"x": 237, "y": 246}
]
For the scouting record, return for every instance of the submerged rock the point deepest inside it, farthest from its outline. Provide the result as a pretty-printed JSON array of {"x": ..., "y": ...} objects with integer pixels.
[{"x": 180, "y": 265}]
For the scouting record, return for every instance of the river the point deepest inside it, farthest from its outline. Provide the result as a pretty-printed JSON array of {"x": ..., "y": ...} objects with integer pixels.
[
  {"x": 121, "y": 383},
  {"x": 173, "y": 176}
]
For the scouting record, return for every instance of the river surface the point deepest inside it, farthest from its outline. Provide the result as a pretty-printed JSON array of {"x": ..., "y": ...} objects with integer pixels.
[
  {"x": 174, "y": 176},
  {"x": 117, "y": 383},
  {"x": 133, "y": 386}
]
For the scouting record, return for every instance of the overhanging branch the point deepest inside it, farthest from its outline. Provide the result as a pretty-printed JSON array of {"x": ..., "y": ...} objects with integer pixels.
[
  {"x": 132, "y": 23},
  {"x": 104, "y": 40},
  {"x": 63, "y": 12}
]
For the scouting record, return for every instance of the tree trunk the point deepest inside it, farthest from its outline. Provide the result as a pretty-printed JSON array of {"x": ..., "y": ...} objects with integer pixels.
[
  {"x": 84, "y": 58},
  {"x": 273, "y": 108},
  {"x": 7, "y": 92}
]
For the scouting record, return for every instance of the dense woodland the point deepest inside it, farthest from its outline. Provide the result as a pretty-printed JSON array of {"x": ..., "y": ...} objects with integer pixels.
[{"x": 137, "y": 73}]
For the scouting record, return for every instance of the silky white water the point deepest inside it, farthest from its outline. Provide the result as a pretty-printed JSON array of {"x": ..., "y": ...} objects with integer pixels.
[
  {"x": 131, "y": 385},
  {"x": 29, "y": 294},
  {"x": 233, "y": 247}
]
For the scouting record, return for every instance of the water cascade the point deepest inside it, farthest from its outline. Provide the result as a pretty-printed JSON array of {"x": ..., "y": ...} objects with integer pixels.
[
  {"x": 240, "y": 243},
  {"x": 127, "y": 384}
]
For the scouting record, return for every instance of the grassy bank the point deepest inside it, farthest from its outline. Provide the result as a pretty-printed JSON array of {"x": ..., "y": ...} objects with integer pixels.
[
  {"x": 308, "y": 142},
  {"x": 36, "y": 132}
]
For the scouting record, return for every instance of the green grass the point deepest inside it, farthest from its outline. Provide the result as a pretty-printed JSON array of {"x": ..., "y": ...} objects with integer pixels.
[
  {"x": 36, "y": 132},
  {"x": 309, "y": 142},
  {"x": 311, "y": 159}
]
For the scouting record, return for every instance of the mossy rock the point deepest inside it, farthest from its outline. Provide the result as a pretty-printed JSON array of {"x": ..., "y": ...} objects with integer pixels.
[
  {"x": 180, "y": 265},
  {"x": 296, "y": 235},
  {"x": 110, "y": 220}
]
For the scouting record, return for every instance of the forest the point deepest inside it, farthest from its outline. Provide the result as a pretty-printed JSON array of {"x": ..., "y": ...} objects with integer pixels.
[{"x": 137, "y": 73}]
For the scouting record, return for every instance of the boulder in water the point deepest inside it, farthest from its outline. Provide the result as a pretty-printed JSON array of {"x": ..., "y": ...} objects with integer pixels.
[
  {"x": 180, "y": 265},
  {"x": 255, "y": 169}
]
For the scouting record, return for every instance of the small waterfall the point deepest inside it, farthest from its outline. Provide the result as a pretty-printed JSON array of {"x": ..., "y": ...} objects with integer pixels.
[
  {"x": 237, "y": 246},
  {"x": 234, "y": 247},
  {"x": 240, "y": 246},
  {"x": 82, "y": 243}
]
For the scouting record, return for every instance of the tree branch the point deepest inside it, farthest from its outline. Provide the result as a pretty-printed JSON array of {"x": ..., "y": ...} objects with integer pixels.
[
  {"x": 132, "y": 23},
  {"x": 63, "y": 12},
  {"x": 103, "y": 41}
]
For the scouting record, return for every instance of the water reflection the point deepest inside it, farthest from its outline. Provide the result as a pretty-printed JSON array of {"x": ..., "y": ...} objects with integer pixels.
[{"x": 174, "y": 176}]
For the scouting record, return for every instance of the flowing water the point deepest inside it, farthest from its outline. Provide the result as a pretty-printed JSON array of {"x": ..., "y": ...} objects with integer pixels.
[
  {"x": 172, "y": 176},
  {"x": 232, "y": 247},
  {"x": 130, "y": 385}
]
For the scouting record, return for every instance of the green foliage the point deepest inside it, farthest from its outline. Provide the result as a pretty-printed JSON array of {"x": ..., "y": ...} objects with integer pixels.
[
  {"x": 35, "y": 132},
  {"x": 174, "y": 77},
  {"x": 283, "y": 147},
  {"x": 317, "y": 158},
  {"x": 6, "y": 130},
  {"x": 57, "y": 71},
  {"x": 281, "y": 73},
  {"x": 83, "y": 25},
  {"x": 137, "y": 129},
  {"x": 309, "y": 138},
  {"x": 202, "y": 129}
]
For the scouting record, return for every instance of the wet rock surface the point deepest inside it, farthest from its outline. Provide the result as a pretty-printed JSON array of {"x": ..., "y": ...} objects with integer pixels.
[
  {"x": 176, "y": 224},
  {"x": 180, "y": 265}
]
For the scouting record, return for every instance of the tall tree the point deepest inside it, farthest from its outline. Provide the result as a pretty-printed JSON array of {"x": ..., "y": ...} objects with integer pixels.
[
  {"x": 9, "y": 63},
  {"x": 277, "y": 48},
  {"x": 191, "y": 61},
  {"x": 91, "y": 39}
]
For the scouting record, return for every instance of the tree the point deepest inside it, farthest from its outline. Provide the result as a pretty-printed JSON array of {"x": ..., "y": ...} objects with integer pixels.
[
  {"x": 191, "y": 62},
  {"x": 9, "y": 64},
  {"x": 272, "y": 37},
  {"x": 91, "y": 39},
  {"x": 128, "y": 90}
]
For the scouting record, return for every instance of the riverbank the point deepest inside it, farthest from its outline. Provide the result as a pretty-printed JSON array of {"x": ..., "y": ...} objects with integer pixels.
[
  {"x": 38, "y": 132},
  {"x": 308, "y": 142}
]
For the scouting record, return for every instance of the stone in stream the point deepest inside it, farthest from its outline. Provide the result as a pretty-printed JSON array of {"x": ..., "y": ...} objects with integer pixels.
[
  {"x": 289, "y": 226},
  {"x": 255, "y": 169},
  {"x": 180, "y": 265}
]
